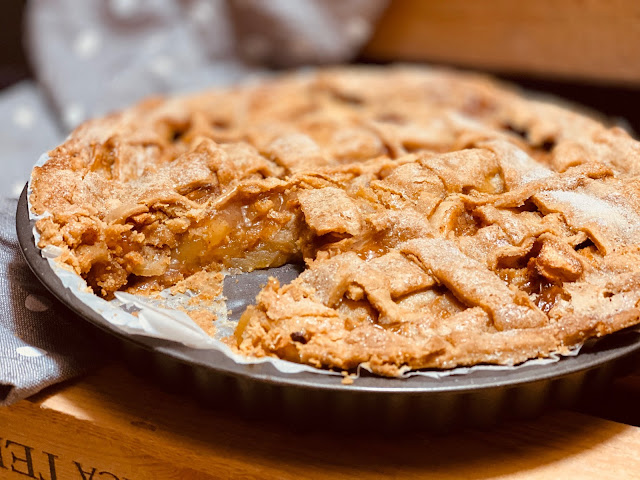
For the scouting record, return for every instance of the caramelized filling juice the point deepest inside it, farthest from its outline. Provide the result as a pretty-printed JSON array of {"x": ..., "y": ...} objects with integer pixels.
[{"x": 260, "y": 234}]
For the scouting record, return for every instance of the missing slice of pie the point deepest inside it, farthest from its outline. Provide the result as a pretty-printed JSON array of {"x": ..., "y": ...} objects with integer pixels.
[{"x": 444, "y": 219}]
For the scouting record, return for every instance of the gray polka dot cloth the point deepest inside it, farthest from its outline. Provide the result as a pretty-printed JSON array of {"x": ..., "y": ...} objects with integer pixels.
[{"x": 94, "y": 56}]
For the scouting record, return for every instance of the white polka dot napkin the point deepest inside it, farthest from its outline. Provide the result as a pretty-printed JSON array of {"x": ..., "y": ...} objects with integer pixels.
[{"x": 94, "y": 56}]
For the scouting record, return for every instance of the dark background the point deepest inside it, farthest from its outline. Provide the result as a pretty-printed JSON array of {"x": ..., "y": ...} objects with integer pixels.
[
  {"x": 615, "y": 101},
  {"x": 13, "y": 62}
]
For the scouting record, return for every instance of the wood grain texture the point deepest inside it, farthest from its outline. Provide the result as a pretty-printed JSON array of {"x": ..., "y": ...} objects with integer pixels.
[
  {"x": 125, "y": 428},
  {"x": 574, "y": 39}
]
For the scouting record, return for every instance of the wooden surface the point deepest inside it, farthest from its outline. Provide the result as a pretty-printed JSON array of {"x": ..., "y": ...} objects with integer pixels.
[
  {"x": 576, "y": 39},
  {"x": 113, "y": 425}
]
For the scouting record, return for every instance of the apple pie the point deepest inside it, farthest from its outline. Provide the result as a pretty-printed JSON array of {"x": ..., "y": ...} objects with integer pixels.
[{"x": 443, "y": 219}]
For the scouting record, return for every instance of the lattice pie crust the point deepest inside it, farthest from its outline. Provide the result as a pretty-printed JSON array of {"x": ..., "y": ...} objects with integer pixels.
[{"x": 444, "y": 219}]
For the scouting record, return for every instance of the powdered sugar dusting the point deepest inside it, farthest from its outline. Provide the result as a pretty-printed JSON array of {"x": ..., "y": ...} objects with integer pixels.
[
  {"x": 534, "y": 174},
  {"x": 517, "y": 166},
  {"x": 616, "y": 219},
  {"x": 530, "y": 169}
]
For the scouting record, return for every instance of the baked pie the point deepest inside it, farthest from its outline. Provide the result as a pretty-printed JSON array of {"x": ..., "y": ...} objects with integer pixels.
[{"x": 443, "y": 219}]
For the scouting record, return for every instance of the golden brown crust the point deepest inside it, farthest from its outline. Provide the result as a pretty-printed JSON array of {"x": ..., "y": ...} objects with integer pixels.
[{"x": 445, "y": 219}]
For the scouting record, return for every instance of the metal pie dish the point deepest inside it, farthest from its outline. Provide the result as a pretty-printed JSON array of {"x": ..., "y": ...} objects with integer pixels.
[{"x": 478, "y": 398}]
